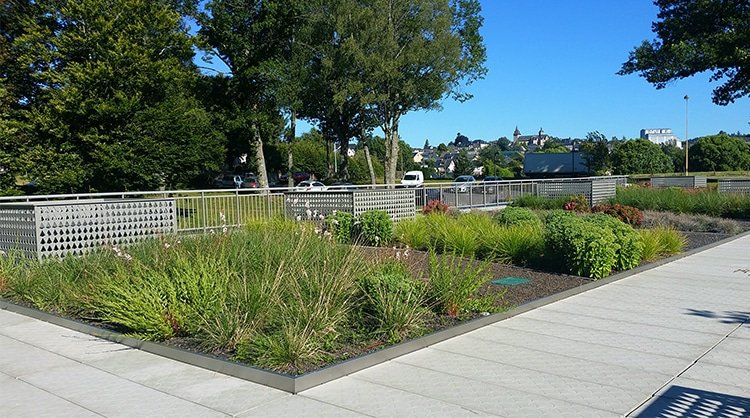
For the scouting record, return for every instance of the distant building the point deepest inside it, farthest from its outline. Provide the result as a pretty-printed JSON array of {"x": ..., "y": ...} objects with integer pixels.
[
  {"x": 661, "y": 136},
  {"x": 530, "y": 143}
]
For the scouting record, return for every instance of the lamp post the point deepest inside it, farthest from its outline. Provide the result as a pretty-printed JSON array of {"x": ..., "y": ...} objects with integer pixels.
[{"x": 687, "y": 138}]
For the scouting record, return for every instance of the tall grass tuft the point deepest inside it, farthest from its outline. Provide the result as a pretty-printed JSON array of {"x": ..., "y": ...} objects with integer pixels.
[
  {"x": 520, "y": 244},
  {"x": 414, "y": 233},
  {"x": 699, "y": 201},
  {"x": 454, "y": 282},
  {"x": 661, "y": 242}
]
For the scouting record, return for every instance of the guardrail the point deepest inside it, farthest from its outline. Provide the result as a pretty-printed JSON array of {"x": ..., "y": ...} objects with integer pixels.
[{"x": 204, "y": 210}]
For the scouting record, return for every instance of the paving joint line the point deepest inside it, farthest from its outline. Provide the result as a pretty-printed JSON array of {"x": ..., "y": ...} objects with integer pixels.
[
  {"x": 724, "y": 338},
  {"x": 53, "y": 394},
  {"x": 20, "y": 378},
  {"x": 499, "y": 385}
]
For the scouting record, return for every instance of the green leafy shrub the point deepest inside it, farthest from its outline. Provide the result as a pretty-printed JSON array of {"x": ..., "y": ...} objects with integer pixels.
[
  {"x": 453, "y": 285},
  {"x": 511, "y": 216},
  {"x": 435, "y": 206},
  {"x": 375, "y": 228},
  {"x": 661, "y": 242},
  {"x": 340, "y": 224},
  {"x": 393, "y": 302},
  {"x": 629, "y": 242},
  {"x": 579, "y": 247},
  {"x": 628, "y": 214}
]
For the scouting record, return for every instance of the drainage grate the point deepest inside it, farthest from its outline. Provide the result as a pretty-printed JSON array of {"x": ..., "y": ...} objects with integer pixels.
[{"x": 510, "y": 281}]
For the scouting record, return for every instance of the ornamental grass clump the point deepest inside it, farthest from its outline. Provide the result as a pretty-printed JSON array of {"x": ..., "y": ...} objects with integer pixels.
[
  {"x": 661, "y": 242},
  {"x": 690, "y": 223},
  {"x": 453, "y": 237},
  {"x": 414, "y": 232},
  {"x": 393, "y": 303},
  {"x": 692, "y": 201},
  {"x": 454, "y": 282},
  {"x": 520, "y": 244},
  {"x": 541, "y": 203}
]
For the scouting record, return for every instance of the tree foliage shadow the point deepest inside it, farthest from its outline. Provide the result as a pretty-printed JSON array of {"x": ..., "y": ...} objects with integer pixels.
[
  {"x": 680, "y": 401},
  {"x": 725, "y": 317}
]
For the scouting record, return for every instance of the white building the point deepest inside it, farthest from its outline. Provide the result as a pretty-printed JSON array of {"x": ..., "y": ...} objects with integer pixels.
[{"x": 661, "y": 136}]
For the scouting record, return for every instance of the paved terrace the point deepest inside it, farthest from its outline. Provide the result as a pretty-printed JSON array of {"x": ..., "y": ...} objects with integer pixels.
[{"x": 671, "y": 341}]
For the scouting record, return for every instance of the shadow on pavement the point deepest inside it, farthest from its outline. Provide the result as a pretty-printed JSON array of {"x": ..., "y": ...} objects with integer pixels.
[
  {"x": 679, "y": 401},
  {"x": 726, "y": 317}
]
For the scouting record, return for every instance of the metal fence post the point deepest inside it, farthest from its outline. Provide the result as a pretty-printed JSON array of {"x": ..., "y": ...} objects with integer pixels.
[{"x": 203, "y": 211}]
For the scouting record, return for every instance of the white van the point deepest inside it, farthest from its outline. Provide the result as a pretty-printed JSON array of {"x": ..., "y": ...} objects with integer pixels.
[{"x": 413, "y": 179}]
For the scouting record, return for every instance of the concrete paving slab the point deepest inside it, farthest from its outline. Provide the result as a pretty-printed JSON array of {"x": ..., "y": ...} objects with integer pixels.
[
  {"x": 382, "y": 401},
  {"x": 9, "y": 318},
  {"x": 742, "y": 332},
  {"x": 720, "y": 374},
  {"x": 675, "y": 320},
  {"x": 724, "y": 355},
  {"x": 473, "y": 394},
  {"x": 556, "y": 357},
  {"x": 19, "y": 399},
  {"x": 594, "y": 395},
  {"x": 113, "y": 396},
  {"x": 20, "y": 359},
  {"x": 299, "y": 407}
]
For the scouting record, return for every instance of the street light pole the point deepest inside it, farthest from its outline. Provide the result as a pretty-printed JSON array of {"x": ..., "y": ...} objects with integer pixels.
[{"x": 687, "y": 138}]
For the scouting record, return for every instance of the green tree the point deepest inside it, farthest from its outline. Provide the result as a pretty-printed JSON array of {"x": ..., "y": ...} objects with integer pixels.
[
  {"x": 694, "y": 36},
  {"x": 441, "y": 148},
  {"x": 595, "y": 153},
  {"x": 412, "y": 53},
  {"x": 639, "y": 156},
  {"x": 105, "y": 93},
  {"x": 463, "y": 164},
  {"x": 676, "y": 155},
  {"x": 554, "y": 145},
  {"x": 310, "y": 157},
  {"x": 719, "y": 153}
]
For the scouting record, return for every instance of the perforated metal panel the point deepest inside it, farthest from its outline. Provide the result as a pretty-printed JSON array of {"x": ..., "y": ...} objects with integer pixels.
[
  {"x": 734, "y": 186},
  {"x": 56, "y": 229},
  {"x": 17, "y": 229},
  {"x": 679, "y": 181},
  {"x": 595, "y": 191},
  {"x": 398, "y": 203}
]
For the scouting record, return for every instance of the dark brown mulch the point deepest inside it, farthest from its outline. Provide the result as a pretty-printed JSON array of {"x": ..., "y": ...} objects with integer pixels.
[{"x": 700, "y": 239}]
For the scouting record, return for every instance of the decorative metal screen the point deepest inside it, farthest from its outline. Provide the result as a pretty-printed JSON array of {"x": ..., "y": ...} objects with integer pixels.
[
  {"x": 595, "y": 191},
  {"x": 734, "y": 186},
  {"x": 398, "y": 203},
  {"x": 74, "y": 227},
  {"x": 679, "y": 181},
  {"x": 17, "y": 228}
]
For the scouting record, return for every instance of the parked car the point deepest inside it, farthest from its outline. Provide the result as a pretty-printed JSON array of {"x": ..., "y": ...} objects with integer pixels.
[
  {"x": 250, "y": 182},
  {"x": 300, "y": 176},
  {"x": 228, "y": 181},
  {"x": 413, "y": 179},
  {"x": 341, "y": 185},
  {"x": 488, "y": 179},
  {"x": 489, "y": 184},
  {"x": 463, "y": 184},
  {"x": 310, "y": 186}
]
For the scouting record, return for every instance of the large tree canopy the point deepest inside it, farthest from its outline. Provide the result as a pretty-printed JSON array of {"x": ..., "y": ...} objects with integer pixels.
[
  {"x": 637, "y": 156},
  {"x": 696, "y": 36},
  {"x": 719, "y": 153}
]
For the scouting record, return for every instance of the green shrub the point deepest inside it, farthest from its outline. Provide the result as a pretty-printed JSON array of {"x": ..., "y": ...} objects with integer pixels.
[
  {"x": 393, "y": 302},
  {"x": 579, "y": 247},
  {"x": 511, "y": 216},
  {"x": 454, "y": 284},
  {"x": 628, "y": 214},
  {"x": 376, "y": 228},
  {"x": 629, "y": 242},
  {"x": 661, "y": 242},
  {"x": 340, "y": 224}
]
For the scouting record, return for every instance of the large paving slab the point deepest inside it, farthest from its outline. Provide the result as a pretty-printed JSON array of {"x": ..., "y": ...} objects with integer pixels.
[{"x": 670, "y": 340}]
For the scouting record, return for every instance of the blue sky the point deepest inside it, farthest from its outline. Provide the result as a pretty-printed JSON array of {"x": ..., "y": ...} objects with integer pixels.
[{"x": 552, "y": 65}]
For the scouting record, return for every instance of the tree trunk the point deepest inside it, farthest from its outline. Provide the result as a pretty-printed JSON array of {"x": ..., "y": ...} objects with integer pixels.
[
  {"x": 369, "y": 164},
  {"x": 344, "y": 151},
  {"x": 391, "y": 151},
  {"x": 289, "y": 153},
  {"x": 260, "y": 159}
]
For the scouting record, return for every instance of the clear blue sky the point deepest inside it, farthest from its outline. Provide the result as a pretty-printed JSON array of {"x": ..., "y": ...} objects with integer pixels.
[{"x": 552, "y": 65}]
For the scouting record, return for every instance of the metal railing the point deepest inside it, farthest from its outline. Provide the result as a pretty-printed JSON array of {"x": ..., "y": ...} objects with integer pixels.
[{"x": 203, "y": 210}]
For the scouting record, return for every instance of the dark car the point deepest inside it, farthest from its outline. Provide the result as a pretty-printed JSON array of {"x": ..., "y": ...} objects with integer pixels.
[
  {"x": 250, "y": 182},
  {"x": 300, "y": 176}
]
